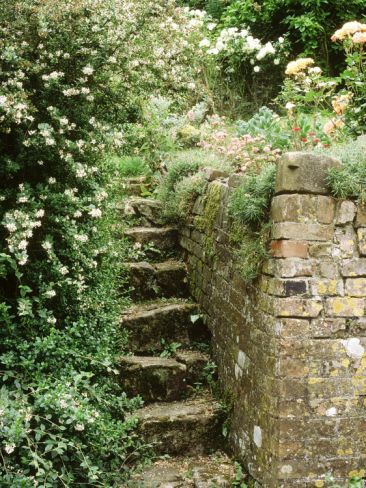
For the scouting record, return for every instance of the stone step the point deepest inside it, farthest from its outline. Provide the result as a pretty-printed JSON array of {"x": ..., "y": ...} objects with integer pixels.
[
  {"x": 148, "y": 210},
  {"x": 190, "y": 426},
  {"x": 215, "y": 471},
  {"x": 153, "y": 378},
  {"x": 163, "y": 238},
  {"x": 148, "y": 324},
  {"x": 162, "y": 379},
  {"x": 167, "y": 279},
  {"x": 135, "y": 186},
  {"x": 195, "y": 361}
]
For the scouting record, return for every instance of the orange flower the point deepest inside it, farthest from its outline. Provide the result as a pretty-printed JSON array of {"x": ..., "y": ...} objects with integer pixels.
[
  {"x": 332, "y": 125},
  {"x": 359, "y": 38},
  {"x": 340, "y": 103},
  {"x": 348, "y": 29}
]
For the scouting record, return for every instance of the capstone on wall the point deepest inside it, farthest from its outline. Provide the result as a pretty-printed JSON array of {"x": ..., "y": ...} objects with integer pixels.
[{"x": 290, "y": 347}]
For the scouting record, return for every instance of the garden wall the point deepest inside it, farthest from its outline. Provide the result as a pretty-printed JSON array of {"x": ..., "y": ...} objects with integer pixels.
[{"x": 290, "y": 347}]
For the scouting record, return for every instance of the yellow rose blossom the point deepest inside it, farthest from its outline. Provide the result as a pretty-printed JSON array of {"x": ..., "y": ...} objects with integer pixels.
[{"x": 298, "y": 66}]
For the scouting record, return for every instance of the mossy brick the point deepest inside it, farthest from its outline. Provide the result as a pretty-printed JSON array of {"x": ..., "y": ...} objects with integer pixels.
[
  {"x": 292, "y": 328},
  {"x": 361, "y": 215},
  {"x": 308, "y": 232},
  {"x": 346, "y": 212},
  {"x": 345, "y": 307},
  {"x": 284, "y": 288},
  {"x": 356, "y": 287},
  {"x": 292, "y": 367},
  {"x": 346, "y": 239},
  {"x": 198, "y": 206},
  {"x": 306, "y": 468},
  {"x": 353, "y": 267},
  {"x": 303, "y": 209},
  {"x": 297, "y": 307},
  {"x": 197, "y": 236},
  {"x": 327, "y": 287},
  {"x": 305, "y": 428},
  {"x": 358, "y": 327},
  {"x": 289, "y": 249},
  {"x": 328, "y": 327},
  {"x": 361, "y": 234},
  {"x": 291, "y": 267},
  {"x": 303, "y": 172},
  {"x": 328, "y": 268},
  {"x": 320, "y": 250}
]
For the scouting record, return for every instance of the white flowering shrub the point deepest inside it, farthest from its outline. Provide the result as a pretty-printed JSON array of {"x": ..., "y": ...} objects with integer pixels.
[
  {"x": 72, "y": 73},
  {"x": 239, "y": 65},
  {"x": 234, "y": 46}
]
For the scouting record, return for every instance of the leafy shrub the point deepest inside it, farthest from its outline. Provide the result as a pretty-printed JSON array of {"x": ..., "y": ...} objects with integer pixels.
[
  {"x": 308, "y": 24},
  {"x": 70, "y": 79},
  {"x": 267, "y": 124},
  {"x": 353, "y": 38}
]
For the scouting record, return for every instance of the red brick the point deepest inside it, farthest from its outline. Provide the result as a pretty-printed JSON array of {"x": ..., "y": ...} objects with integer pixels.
[{"x": 289, "y": 249}]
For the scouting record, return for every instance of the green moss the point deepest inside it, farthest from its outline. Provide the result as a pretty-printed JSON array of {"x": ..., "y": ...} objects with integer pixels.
[
  {"x": 206, "y": 222},
  {"x": 250, "y": 248}
]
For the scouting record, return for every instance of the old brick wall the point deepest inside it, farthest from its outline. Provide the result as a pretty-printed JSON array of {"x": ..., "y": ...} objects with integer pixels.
[{"x": 290, "y": 347}]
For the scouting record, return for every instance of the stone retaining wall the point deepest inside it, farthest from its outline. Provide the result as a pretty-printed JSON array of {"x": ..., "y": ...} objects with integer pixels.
[{"x": 290, "y": 347}]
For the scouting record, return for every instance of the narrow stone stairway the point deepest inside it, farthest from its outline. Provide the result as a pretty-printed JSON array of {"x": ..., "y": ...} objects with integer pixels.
[{"x": 180, "y": 418}]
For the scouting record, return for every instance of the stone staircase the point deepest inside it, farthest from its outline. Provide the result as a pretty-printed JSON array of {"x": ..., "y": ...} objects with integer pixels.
[{"x": 181, "y": 420}]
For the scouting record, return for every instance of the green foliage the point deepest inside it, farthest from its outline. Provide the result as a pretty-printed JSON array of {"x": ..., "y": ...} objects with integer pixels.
[
  {"x": 129, "y": 166},
  {"x": 72, "y": 75},
  {"x": 354, "y": 482},
  {"x": 348, "y": 181},
  {"x": 249, "y": 207},
  {"x": 178, "y": 189},
  {"x": 239, "y": 481},
  {"x": 267, "y": 124},
  {"x": 249, "y": 203},
  {"x": 307, "y": 24},
  {"x": 251, "y": 249},
  {"x": 170, "y": 348},
  {"x": 354, "y": 79}
]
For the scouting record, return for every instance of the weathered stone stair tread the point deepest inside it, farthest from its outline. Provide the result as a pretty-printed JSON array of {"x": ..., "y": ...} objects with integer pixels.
[
  {"x": 194, "y": 361},
  {"x": 215, "y": 471},
  {"x": 166, "y": 279},
  {"x": 146, "y": 208},
  {"x": 132, "y": 186},
  {"x": 154, "y": 378},
  {"x": 190, "y": 426},
  {"x": 165, "y": 238},
  {"x": 148, "y": 324},
  {"x": 162, "y": 379}
]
